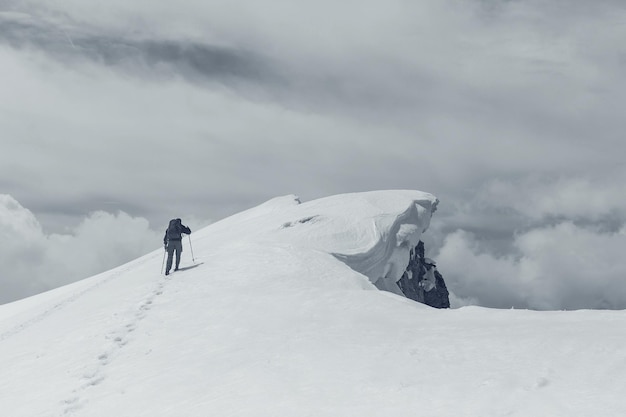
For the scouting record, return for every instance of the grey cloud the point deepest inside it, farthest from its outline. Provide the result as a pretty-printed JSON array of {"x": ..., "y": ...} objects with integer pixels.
[
  {"x": 583, "y": 197},
  {"x": 145, "y": 57}
]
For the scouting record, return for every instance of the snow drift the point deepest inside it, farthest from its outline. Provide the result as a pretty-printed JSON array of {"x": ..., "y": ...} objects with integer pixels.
[
  {"x": 373, "y": 233},
  {"x": 280, "y": 316}
]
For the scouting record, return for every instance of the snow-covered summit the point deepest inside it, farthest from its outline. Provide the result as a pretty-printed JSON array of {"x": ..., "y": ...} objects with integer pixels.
[
  {"x": 371, "y": 232},
  {"x": 279, "y": 316}
]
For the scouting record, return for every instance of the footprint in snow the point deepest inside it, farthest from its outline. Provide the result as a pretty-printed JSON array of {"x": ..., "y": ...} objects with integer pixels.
[
  {"x": 93, "y": 382},
  {"x": 72, "y": 405},
  {"x": 104, "y": 359}
]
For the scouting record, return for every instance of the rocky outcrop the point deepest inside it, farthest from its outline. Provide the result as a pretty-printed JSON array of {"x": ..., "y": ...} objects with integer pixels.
[{"x": 422, "y": 282}]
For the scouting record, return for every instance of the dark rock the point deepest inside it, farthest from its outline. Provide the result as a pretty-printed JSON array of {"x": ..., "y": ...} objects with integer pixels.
[{"x": 422, "y": 282}]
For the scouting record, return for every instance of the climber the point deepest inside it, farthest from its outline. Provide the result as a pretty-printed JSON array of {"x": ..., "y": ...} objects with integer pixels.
[{"x": 172, "y": 241}]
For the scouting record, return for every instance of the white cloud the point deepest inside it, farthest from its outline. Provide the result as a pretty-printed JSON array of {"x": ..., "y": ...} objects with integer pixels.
[
  {"x": 33, "y": 261},
  {"x": 558, "y": 267}
]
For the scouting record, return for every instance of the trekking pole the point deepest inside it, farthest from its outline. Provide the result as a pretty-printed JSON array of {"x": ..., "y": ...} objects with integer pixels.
[
  {"x": 163, "y": 263},
  {"x": 191, "y": 247}
]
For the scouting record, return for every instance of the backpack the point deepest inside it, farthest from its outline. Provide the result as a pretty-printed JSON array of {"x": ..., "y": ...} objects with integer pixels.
[{"x": 174, "y": 230}]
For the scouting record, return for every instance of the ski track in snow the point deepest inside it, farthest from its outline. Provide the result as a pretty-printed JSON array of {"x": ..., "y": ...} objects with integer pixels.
[{"x": 118, "y": 339}]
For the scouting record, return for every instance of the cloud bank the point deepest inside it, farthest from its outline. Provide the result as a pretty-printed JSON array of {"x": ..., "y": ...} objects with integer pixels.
[
  {"x": 543, "y": 243},
  {"x": 561, "y": 267},
  {"x": 33, "y": 261}
]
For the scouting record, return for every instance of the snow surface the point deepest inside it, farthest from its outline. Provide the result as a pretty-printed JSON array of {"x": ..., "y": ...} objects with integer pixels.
[{"x": 279, "y": 316}]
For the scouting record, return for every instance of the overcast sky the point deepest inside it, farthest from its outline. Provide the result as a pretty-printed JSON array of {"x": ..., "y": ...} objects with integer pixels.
[{"x": 117, "y": 116}]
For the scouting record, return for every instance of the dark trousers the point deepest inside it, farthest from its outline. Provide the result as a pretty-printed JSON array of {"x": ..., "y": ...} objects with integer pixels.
[{"x": 173, "y": 246}]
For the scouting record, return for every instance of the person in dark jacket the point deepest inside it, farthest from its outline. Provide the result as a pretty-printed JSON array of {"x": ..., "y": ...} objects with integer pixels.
[{"x": 173, "y": 242}]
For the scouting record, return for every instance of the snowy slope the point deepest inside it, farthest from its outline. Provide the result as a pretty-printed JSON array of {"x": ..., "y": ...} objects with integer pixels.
[{"x": 280, "y": 317}]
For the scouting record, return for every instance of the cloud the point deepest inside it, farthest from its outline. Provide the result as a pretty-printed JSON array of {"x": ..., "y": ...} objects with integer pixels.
[
  {"x": 559, "y": 267},
  {"x": 578, "y": 198},
  {"x": 484, "y": 88},
  {"x": 538, "y": 241},
  {"x": 33, "y": 261},
  {"x": 157, "y": 57}
]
